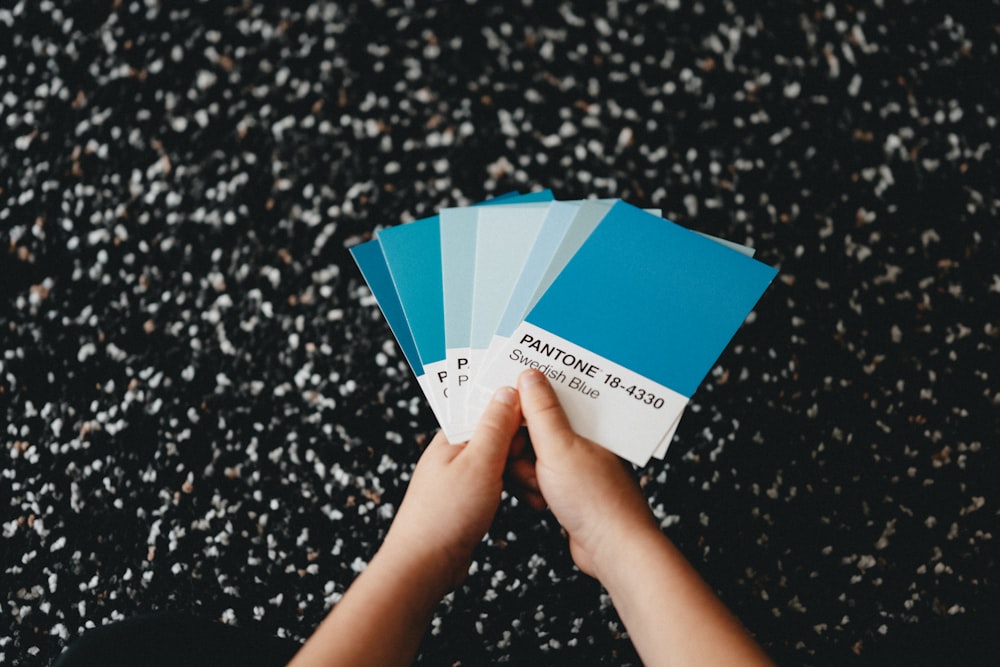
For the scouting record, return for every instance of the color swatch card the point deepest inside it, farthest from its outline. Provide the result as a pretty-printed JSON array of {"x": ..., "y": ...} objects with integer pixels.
[
  {"x": 625, "y": 312},
  {"x": 629, "y": 328},
  {"x": 458, "y": 272},
  {"x": 412, "y": 255},
  {"x": 518, "y": 249},
  {"x": 371, "y": 260},
  {"x": 489, "y": 251},
  {"x": 564, "y": 232}
]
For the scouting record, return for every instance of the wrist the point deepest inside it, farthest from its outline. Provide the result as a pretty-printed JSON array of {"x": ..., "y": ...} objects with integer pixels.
[
  {"x": 434, "y": 570},
  {"x": 616, "y": 552}
]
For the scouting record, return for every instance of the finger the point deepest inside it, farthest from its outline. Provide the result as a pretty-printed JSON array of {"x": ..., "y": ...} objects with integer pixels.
[
  {"x": 491, "y": 439},
  {"x": 522, "y": 473},
  {"x": 520, "y": 446},
  {"x": 521, "y": 488},
  {"x": 548, "y": 426},
  {"x": 439, "y": 448},
  {"x": 423, "y": 442},
  {"x": 532, "y": 499},
  {"x": 535, "y": 499},
  {"x": 439, "y": 439}
]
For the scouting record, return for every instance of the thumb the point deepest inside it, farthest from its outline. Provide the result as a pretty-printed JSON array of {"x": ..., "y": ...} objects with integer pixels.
[
  {"x": 490, "y": 441},
  {"x": 548, "y": 426}
]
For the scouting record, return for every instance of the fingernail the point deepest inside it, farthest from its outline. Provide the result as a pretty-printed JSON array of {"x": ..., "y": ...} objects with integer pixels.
[
  {"x": 505, "y": 395},
  {"x": 531, "y": 376}
]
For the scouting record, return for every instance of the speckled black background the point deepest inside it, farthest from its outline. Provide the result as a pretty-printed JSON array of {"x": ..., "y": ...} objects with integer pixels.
[{"x": 203, "y": 409}]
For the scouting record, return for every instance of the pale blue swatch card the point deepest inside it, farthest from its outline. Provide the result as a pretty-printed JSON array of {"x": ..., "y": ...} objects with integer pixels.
[
  {"x": 458, "y": 273},
  {"x": 584, "y": 222},
  {"x": 502, "y": 235},
  {"x": 505, "y": 235},
  {"x": 555, "y": 227}
]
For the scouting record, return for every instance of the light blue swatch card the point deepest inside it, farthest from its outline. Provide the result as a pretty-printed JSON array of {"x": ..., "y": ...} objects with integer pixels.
[
  {"x": 505, "y": 236},
  {"x": 501, "y": 236},
  {"x": 585, "y": 221},
  {"x": 629, "y": 328},
  {"x": 458, "y": 273},
  {"x": 554, "y": 229}
]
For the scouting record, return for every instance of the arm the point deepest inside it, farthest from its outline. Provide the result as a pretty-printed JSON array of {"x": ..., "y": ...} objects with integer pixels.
[
  {"x": 448, "y": 507},
  {"x": 672, "y": 616}
]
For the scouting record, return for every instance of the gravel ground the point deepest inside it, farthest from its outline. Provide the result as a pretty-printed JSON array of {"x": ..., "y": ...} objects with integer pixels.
[{"x": 203, "y": 409}]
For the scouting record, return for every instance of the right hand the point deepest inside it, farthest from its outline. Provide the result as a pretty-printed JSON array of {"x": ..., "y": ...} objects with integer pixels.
[{"x": 590, "y": 491}]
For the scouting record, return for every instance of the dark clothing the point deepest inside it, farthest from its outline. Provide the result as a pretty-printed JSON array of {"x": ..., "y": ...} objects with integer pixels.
[{"x": 173, "y": 638}]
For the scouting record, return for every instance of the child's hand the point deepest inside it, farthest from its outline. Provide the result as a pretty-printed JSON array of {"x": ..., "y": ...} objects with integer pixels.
[
  {"x": 671, "y": 614},
  {"x": 454, "y": 494},
  {"x": 592, "y": 494}
]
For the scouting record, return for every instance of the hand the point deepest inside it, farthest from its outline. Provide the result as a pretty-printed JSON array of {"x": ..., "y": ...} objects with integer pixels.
[
  {"x": 671, "y": 614},
  {"x": 593, "y": 495},
  {"x": 454, "y": 494},
  {"x": 448, "y": 507}
]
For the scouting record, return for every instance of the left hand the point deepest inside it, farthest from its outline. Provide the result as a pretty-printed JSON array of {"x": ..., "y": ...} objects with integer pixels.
[{"x": 454, "y": 494}]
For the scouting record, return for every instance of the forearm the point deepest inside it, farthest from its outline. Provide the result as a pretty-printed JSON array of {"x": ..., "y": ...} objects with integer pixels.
[
  {"x": 381, "y": 618},
  {"x": 671, "y": 614}
]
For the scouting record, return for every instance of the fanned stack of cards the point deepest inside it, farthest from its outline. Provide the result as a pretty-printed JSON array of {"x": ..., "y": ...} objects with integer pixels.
[{"x": 625, "y": 312}]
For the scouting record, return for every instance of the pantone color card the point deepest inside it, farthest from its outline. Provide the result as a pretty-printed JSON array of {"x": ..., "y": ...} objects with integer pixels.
[
  {"x": 624, "y": 312},
  {"x": 629, "y": 328},
  {"x": 412, "y": 254},
  {"x": 372, "y": 263},
  {"x": 458, "y": 273},
  {"x": 661, "y": 450},
  {"x": 562, "y": 234},
  {"x": 373, "y": 267}
]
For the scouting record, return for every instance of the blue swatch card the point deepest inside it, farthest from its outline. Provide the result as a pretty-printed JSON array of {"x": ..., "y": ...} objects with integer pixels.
[
  {"x": 661, "y": 449},
  {"x": 564, "y": 231},
  {"x": 629, "y": 328}
]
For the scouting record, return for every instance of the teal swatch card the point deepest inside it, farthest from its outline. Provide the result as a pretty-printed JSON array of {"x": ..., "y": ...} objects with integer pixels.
[
  {"x": 371, "y": 261},
  {"x": 412, "y": 253}
]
